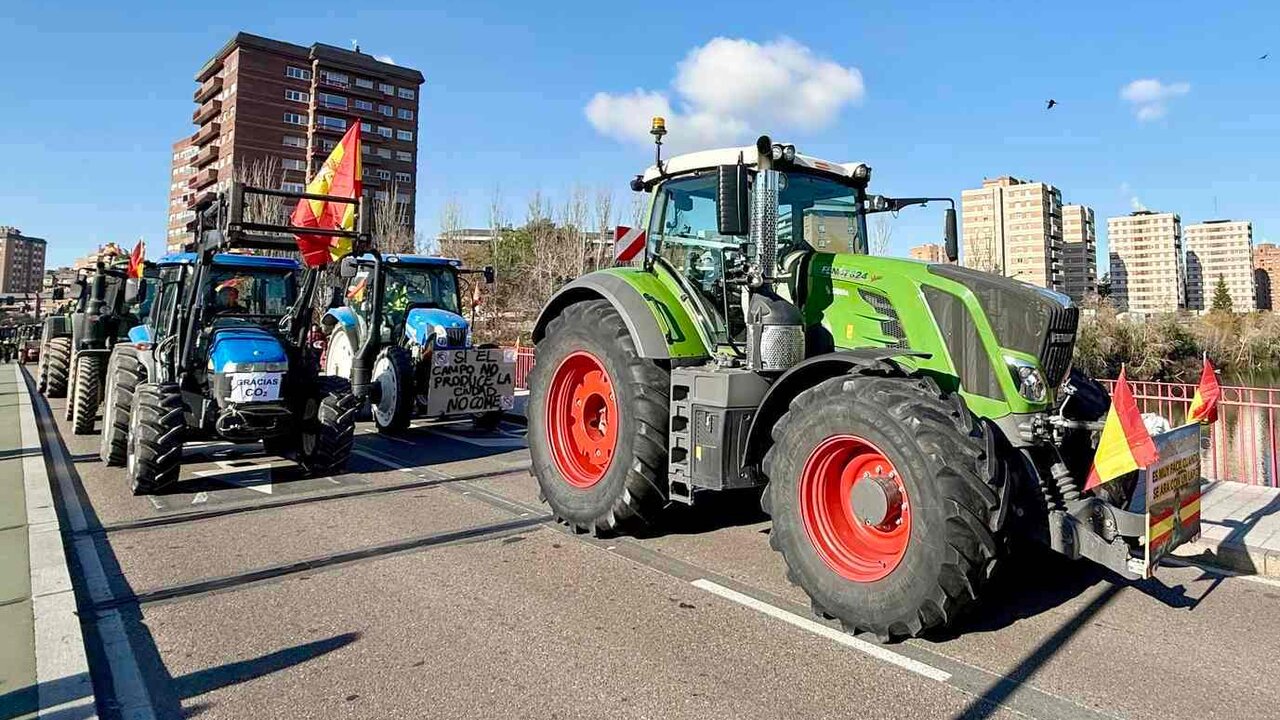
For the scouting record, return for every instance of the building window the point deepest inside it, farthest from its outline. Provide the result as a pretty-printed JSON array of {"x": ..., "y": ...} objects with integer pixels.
[
  {"x": 404, "y": 177},
  {"x": 406, "y": 135},
  {"x": 384, "y": 153},
  {"x": 297, "y": 73},
  {"x": 333, "y": 78},
  {"x": 295, "y": 141},
  {"x": 384, "y": 174},
  {"x": 381, "y": 195},
  {"x": 364, "y": 105},
  {"x": 293, "y": 164},
  {"x": 387, "y": 89},
  {"x": 386, "y": 110},
  {"x": 403, "y": 198},
  {"x": 328, "y": 145},
  {"x": 295, "y": 119},
  {"x": 384, "y": 131},
  {"x": 330, "y": 100},
  {"x": 365, "y": 83},
  {"x": 366, "y": 127},
  {"x": 405, "y": 93},
  {"x": 404, "y": 156},
  {"x": 296, "y": 95},
  {"x": 404, "y": 114},
  {"x": 332, "y": 123},
  {"x": 365, "y": 149},
  {"x": 292, "y": 187}
]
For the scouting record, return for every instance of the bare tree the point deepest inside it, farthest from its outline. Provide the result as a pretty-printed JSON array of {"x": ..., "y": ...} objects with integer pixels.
[
  {"x": 263, "y": 171},
  {"x": 391, "y": 224},
  {"x": 573, "y": 223},
  {"x": 604, "y": 226},
  {"x": 881, "y": 234},
  {"x": 450, "y": 220}
]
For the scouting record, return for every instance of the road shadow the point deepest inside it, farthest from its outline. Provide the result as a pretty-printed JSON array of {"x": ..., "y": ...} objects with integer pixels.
[
  {"x": 714, "y": 511},
  {"x": 439, "y": 444},
  {"x": 1232, "y": 551}
]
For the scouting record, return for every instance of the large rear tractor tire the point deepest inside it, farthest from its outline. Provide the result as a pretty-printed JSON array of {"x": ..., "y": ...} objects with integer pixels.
[
  {"x": 393, "y": 373},
  {"x": 87, "y": 395},
  {"x": 57, "y": 367},
  {"x": 328, "y": 427},
  {"x": 885, "y": 502},
  {"x": 124, "y": 374},
  {"x": 598, "y": 416},
  {"x": 157, "y": 430}
]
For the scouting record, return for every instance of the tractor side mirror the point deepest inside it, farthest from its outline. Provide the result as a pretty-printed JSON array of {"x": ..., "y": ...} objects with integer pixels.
[
  {"x": 731, "y": 200},
  {"x": 951, "y": 237},
  {"x": 347, "y": 267},
  {"x": 135, "y": 291},
  {"x": 490, "y": 275}
]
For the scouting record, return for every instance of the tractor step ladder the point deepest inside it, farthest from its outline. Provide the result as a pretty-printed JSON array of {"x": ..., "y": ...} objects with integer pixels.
[{"x": 680, "y": 444}]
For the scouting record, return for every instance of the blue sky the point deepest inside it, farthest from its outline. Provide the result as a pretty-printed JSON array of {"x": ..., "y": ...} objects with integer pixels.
[{"x": 93, "y": 94}]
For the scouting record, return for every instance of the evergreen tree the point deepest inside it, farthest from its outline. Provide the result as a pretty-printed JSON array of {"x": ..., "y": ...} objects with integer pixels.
[{"x": 1221, "y": 297}]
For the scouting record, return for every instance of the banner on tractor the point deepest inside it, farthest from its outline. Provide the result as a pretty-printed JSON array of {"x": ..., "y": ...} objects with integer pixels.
[
  {"x": 468, "y": 382},
  {"x": 1171, "y": 496}
]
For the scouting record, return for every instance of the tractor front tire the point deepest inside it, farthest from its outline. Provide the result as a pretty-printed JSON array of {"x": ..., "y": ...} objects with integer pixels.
[
  {"x": 88, "y": 394},
  {"x": 884, "y": 493},
  {"x": 328, "y": 427},
  {"x": 157, "y": 429},
  {"x": 598, "y": 417},
  {"x": 57, "y": 368},
  {"x": 393, "y": 372},
  {"x": 124, "y": 374}
]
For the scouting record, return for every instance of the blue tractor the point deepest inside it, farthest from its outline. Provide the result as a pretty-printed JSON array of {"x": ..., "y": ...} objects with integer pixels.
[
  {"x": 226, "y": 354},
  {"x": 420, "y": 362}
]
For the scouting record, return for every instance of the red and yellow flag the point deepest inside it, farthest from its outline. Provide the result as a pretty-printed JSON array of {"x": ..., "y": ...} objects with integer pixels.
[
  {"x": 339, "y": 176},
  {"x": 137, "y": 259},
  {"x": 1204, "y": 405},
  {"x": 1125, "y": 444}
]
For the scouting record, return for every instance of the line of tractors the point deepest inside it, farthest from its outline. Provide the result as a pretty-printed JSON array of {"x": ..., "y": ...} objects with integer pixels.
[{"x": 905, "y": 424}]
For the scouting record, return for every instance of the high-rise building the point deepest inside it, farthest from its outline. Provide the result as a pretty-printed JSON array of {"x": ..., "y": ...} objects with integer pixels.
[
  {"x": 1014, "y": 227},
  {"x": 21, "y": 261},
  {"x": 1266, "y": 275},
  {"x": 1079, "y": 252},
  {"x": 1147, "y": 274},
  {"x": 1219, "y": 249},
  {"x": 180, "y": 195},
  {"x": 929, "y": 252},
  {"x": 269, "y": 112}
]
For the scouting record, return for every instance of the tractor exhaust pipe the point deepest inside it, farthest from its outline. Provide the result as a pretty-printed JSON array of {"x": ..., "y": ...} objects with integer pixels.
[{"x": 775, "y": 327}]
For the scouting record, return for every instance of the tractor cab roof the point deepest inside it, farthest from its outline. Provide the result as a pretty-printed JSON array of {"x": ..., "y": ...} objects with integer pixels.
[
  {"x": 708, "y": 159},
  {"x": 232, "y": 260},
  {"x": 413, "y": 260}
]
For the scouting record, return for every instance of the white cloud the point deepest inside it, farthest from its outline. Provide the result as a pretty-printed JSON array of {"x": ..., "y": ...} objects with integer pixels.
[
  {"x": 729, "y": 88},
  {"x": 385, "y": 58},
  {"x": 1150, "y": 98},
  {"x": 1135, "y": 203}
]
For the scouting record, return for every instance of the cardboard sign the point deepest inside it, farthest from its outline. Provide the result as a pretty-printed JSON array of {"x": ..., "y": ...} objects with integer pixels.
[
  {"x": 1172, "y": 494},
  {"x": 468, "y": 382},
  {"x": 255, "y": 386}
]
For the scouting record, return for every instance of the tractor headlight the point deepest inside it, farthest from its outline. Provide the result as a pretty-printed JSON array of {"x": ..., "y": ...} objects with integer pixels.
[
  {"x": 1029, "y": 379},
  {"x": 442, "y": 337},
  {"x": 255, "y": 367}
]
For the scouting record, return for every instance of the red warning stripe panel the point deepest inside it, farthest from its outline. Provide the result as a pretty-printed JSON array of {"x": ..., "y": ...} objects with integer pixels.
[{"x": 627, "y": 243}]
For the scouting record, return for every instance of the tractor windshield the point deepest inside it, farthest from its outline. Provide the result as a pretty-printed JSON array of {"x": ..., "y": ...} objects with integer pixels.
[
  {"x": 250, "y": 292},
  {"x": 406, "y": 287}
]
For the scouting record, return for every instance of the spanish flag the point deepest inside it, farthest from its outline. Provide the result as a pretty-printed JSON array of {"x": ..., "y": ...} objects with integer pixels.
[
  {"x": 1204, "y": 405},
  {"x": 1125, "y": 444},
  {"x": 137, "y": 259},
  {"x": 340, "y": 176}
]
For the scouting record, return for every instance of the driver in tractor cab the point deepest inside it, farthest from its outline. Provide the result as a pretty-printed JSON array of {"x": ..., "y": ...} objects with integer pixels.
[{"x": 229, "y": 300}]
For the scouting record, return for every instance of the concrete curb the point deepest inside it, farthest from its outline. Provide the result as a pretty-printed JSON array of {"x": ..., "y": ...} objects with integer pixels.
[
  {"x": 62, "y": 667},
  {"x": 1240, "y": 529}
]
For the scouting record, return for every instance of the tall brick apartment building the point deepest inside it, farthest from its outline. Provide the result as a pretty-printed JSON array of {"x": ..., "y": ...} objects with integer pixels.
[{"x": 264, "y": 103}]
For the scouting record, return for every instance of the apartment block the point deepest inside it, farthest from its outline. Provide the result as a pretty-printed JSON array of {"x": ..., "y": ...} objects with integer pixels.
[
  {"x": 1147, "y": 272},
  {"x": 21, "y": 261},
  {"x": 929, "y": 252},
  {"x": 269, "y": 112},
  {"x": 1079, "y": 252},
  {"x": 1266, "y": 275},
  {"x": 180, "y": 195},
  {"x": 1014, "y": 227},
  {"x": 1219, "y": 249}
]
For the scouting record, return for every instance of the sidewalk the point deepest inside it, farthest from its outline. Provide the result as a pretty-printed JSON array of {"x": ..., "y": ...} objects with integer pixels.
[
  {"x": 1239, "y": 528},
  {"x": 43, "y": 668}
]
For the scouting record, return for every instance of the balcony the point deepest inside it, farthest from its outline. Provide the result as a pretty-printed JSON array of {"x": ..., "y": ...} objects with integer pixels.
[
  {"x": 207, "y": 133},
  {"x": 203, "y": 179},
  {"x": 208, "y": 89},
  {"x": 206, "y": 156},
  {"x": 206, "y": 112},
  {"x": 330, "y": 129}
]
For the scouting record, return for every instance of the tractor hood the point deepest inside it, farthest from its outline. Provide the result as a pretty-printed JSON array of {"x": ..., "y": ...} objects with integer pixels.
[
  {"x": 449, "y": 329},
  {"x": 232, "y": 348}
]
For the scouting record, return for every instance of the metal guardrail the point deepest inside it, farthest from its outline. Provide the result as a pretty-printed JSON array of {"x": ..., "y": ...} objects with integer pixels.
[{"x": 1241, "y": 446}]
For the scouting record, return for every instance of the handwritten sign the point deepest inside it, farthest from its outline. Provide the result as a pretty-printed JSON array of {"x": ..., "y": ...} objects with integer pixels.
[
  {"x": 1172, "y": 494},
  {"x": 469, "y": 382},
  {"x": 255, "y": 387}
]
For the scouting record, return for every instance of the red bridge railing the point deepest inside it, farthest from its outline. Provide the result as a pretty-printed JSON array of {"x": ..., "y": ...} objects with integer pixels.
[{"x": 1242, "y": 445}]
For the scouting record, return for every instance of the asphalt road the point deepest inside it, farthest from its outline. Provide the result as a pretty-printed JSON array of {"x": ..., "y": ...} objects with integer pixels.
[{"x": 428, "y": 582}]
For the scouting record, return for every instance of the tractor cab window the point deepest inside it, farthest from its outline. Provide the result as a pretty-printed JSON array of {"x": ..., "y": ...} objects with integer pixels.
[
  {"x": 819, "y": 213},
  {"x": 250, "y": 292},
  {"x": 404, "y": 288}
]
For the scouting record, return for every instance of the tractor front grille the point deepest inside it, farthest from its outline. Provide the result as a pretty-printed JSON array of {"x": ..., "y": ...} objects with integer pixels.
[
  {"x": 891, "y": 325},
  {"x": 456, "y": 337},
  {"x": 1059, "y": 340}
]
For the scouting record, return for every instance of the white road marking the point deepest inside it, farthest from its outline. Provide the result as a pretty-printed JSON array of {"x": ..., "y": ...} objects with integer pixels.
[
  {"x": 253, "y": 476},
  {"x": 1260, "y": 579},
  {"x": 817, "y": 628},
  {"x": 201, "y": 498}
]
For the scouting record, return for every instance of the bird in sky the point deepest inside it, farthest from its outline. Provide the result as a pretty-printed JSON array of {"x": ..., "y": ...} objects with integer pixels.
[
  {"x": 1050, "y": 103},
  {"x": 1265, "y": 56}
]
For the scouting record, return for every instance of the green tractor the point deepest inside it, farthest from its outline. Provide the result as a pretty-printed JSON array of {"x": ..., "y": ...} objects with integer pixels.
[{"x": 905, "y": 422}]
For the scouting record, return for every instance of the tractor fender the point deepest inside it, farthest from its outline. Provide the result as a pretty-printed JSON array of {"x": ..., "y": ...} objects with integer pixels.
[
  {"x": 801, "y": 377},
  {"x": 140, "y": 334},
  {"x": 344, "y": 316},
  {"x": 639, "y": 310}
]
